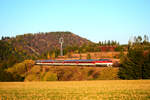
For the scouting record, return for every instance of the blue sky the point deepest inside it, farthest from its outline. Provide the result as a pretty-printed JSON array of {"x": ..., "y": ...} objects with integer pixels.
[{"x": 97, "y": 20}]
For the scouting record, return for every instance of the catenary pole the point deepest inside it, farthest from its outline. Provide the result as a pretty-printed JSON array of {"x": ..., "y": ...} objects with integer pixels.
[{"x": 61, "y": 41}]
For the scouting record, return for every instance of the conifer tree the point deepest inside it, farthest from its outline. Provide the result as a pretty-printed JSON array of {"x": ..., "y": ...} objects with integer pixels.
[
  {"x": 146, "y": 66},
  {"x": 131, "y": 65},
  {"x": 136, "y": 64}
]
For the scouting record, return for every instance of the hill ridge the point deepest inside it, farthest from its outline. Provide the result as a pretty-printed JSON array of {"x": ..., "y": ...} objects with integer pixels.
[{"x": 42, "y": 42}]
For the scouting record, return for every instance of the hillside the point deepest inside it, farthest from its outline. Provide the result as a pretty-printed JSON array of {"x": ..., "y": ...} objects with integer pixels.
[{"x": 39, "y": 43}]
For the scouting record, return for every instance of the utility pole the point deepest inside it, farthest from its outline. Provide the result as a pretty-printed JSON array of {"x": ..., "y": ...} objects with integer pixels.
[{"x": 61, "y": 41}]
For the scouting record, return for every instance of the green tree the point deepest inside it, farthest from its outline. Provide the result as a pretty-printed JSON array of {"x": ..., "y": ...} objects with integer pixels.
[
  {"x": 5, "y": 76},
  {"x": 146, "y": 66},
  {"x": 135, "y": 65},
  {"x": 80, "y": 56},
  {"x": 131, "y": 66},
  {"x": 119, "y": 48},
  {"x": 88, "y": 56}
]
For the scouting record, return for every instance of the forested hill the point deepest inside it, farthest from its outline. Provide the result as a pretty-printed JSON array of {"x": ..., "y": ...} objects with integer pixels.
[{"x": 39, "y": 43}]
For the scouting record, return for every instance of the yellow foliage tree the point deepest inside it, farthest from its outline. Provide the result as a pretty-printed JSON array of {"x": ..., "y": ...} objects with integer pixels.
[
  {"x": 53, "y": 55},
  {"x": 21, "y": 68},
  {"x": 48, "y": 56},
  {"x": 69, "y": 54}
]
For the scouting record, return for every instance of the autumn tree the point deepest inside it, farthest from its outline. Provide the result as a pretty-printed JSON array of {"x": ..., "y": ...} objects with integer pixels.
[
  {"x": 53, "y": 55},
  {"x": 88, "y": 56},
  {"x": 48, "y": 55},
  {"x": 21, "y": 69},
  {"x": 80, "y": 56}
]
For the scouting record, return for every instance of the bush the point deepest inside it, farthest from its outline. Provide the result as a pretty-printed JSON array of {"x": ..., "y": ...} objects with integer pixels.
[
  {"x": 108, "y": 73},
  {"x": 49, "y": 76},
  {"x": 103, "y": 73},
  {"x": 36, "y": 69},
  {"x": 32, "y": 77},
  {"x": 88, "y": 56},
  {"x": 66, "y": 73},
  {"x": 90, "y": 72},
  {"x": 96, "y": 75},
  {"x": 5, "y": 76},
  {"x": 21, "y": 69}
]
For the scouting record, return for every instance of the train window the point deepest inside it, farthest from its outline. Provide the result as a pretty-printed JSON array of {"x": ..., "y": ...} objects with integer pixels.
[{"x": 104, "y": 60}]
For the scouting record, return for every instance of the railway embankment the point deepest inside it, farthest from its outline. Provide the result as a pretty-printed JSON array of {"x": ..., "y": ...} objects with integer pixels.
[{"x": 71, "y": 73}]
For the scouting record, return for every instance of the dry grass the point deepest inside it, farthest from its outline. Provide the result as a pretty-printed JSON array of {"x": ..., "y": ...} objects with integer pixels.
[{"x": 76, "y": 90}]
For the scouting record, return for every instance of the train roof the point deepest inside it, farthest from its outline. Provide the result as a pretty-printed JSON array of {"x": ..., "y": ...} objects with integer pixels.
[
  {"x": 104, "y": 59},
  {"x": 82, "y": 60},
  {"x": 72, "y": 60}
]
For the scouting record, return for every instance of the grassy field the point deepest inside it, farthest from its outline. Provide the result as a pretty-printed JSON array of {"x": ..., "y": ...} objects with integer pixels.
[{"x": 76, "y": 90}]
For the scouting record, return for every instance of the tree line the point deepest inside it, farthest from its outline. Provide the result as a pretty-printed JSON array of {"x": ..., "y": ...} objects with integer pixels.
[
  {"x": 85, "y": 48},
  {"x": 14, "y": 64},
  {"x": 136, "y": 64},
  {"x": 9, "y": 56}
]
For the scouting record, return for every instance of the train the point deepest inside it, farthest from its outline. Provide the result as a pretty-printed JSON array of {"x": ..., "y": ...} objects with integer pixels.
[{"x": 82, "y": 62}]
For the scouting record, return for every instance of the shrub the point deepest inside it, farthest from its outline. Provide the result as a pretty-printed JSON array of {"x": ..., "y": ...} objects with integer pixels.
[
  {"x": 5, "y": 76},
  {"x": 90, "y": 72},
  {"x": 96, "y": 75},
  {"x": 21, "y": 69},
  {"x": 49, "y": 76},
  {"x": 108, "y": 73},
  {"x": 32, "y": 77},
  {"x": 88, "y": 56},
  {"x": 65, "y": 74},
  {"x": 36, "y": 69}
]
